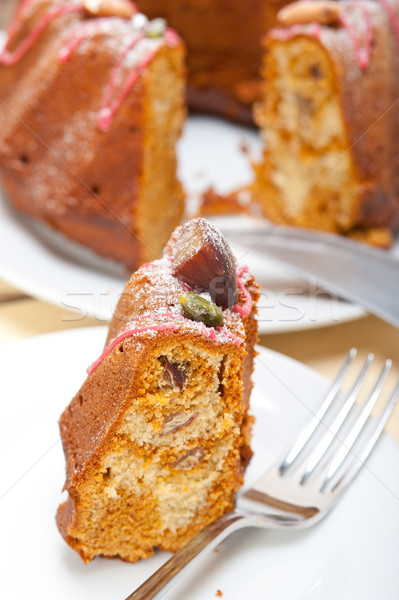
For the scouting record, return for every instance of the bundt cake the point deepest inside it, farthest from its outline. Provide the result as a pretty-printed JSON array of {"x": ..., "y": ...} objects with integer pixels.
[
  {"x": 157, "y": 439},
  {"x": 91, "y": 107},
  {"x": 330, "y": 119},
  {"x": 224, "y": 49}
]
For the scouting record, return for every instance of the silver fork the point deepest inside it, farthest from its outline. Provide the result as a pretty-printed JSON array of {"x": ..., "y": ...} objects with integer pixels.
[{"x": 303, "y": 486}]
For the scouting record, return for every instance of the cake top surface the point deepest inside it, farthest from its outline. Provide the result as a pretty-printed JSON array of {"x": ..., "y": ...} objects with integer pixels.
[
  {"x": 353, "y": 24},
  {"x": 151, "y": 302},
  {"x": 72, "y": 27}
]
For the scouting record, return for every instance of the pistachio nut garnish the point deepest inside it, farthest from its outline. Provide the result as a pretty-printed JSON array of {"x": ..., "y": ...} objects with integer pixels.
[
  {"x": 156, "y": 28},
  {"x": 198, "y": 308}
]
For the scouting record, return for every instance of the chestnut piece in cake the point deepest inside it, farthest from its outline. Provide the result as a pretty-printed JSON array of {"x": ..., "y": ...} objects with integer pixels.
[
  {"x": 157, "y": 439},
  {"x": 92, "y": 107},
  {"x": 329, "y": 120},
  {"x": 202, "y": 260}
]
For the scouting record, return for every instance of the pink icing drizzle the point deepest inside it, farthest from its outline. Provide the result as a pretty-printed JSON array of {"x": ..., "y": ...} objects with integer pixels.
[
  {"x": 151, "y": 265},
  {"x": 362, "y": 51},
  {"x": 16, "y": 22},
  {"x": 234, "y": 338},
  {"x": 285, "y": 34},
  {"x": 11, "y": 58},
  {"x": 361, "y": 48},
  {"x": 73, "y": 43},
  {"x": 111, "y": 104},
  {"x": 109, "y": 108},
  {"x": 393, "y": 17},
  {"x": 247, "y": 307},
  {"x": 208, "y": 332},
  {"x": 124, "y": 335},
  {"x": 171, "y": 36}
]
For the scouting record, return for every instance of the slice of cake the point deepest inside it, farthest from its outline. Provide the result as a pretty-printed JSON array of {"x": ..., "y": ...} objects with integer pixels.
[
  {"x": 157, "y": 439},
  {"x": 92, "y": 105},
  {"x": 330, "y": 119}
]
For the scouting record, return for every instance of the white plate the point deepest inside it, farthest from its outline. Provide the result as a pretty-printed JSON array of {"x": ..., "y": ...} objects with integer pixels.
[
  {"x": 352, "y": 554},
  {"x": 48, "y": 266}
]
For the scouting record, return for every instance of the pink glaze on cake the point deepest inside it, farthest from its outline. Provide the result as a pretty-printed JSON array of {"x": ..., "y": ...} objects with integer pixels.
[
  {"x": 393, "y": 17},
  {"x": 11, "y": 58},
  {"x": 362, "y": 44},
  {"x": 78, "y": 37},
  {"x": 244, "y": 310},
  {"x": 284, "y": 34},
  {"x": 113, "y": 99},
  {"x": 234, "y": 338},
  {"x": 362, "y": 49},
  {"x": 109, "y": 108},
  {"x": 171, "y": 36},
  {"x": 128, "y": 333},
  {"x": 208, "y": 332}
]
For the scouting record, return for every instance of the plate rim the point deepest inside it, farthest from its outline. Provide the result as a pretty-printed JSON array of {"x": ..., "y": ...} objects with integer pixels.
[{"x": 100, "y": 332}]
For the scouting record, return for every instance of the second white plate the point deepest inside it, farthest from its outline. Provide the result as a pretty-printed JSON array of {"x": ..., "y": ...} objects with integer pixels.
[
  {"x": 351, "y": 554},
  {"x": 48, "y": 266}
]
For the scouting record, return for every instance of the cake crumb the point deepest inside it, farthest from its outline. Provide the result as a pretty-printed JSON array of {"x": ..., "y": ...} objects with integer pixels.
[
  {"x": 219, "y": 594},
  {"x": 216, "y": 550},
  {"x": 234, "y": 203}
]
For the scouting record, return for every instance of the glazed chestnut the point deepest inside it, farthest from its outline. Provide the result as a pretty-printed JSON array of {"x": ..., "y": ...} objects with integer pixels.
[{"x": 204, "y": 262}]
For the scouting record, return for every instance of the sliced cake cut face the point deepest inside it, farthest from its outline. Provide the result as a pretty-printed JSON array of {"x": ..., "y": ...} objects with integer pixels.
[
  {"x": 93, "y": 105},
  {"x": 158, "y": 437},
  {"x": 321, "y": 121},
  {"x": 170, "y": 451},
  {"x": 314, "y": 179}
]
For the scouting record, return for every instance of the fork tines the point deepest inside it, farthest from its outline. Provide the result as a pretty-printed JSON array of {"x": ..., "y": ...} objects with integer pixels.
[{"x": 351, "y": 425}]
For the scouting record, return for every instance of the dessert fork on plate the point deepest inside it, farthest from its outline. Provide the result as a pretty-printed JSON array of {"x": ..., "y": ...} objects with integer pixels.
[{"x": 303, "y": 485}]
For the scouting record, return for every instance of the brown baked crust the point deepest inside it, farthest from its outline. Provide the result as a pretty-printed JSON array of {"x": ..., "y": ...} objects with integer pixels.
[
  {"x": 224, "y": 50},
  {"x": 126, "y": 382},
  {"x": 370, "y": 126},
  {"x": 95, "y": 187}
]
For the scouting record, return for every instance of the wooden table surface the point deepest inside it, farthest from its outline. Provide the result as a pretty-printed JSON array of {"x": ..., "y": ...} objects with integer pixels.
[{"x": 322, "y": 349}]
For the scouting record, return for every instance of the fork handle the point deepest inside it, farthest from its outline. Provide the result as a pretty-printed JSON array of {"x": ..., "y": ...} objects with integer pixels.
[{"x": 202, "y": 543}]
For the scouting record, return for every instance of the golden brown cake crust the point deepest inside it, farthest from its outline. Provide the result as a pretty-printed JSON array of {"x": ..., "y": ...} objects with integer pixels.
[
  {"x": 122, "y": 411},
  {"x": 361, "y": 53},
  {"x": 95, "y": 186}
]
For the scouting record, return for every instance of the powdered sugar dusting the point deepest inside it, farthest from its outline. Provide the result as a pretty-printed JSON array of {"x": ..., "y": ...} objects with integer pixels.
[
  {"x": 126, "y": 39},
  {"x": 129, "y": 333},
  {"x": 153, "y": 307},
  {"x": 210, "y": 235},
  {"x": 11, "y": 58},
  {"x": 392, "y": 11},
  {"x": 355, "y": 20},
  {"x": 284, "y": 34},
  {"x": 244, "y": 310},
  {"x": 360, "y": 34}
]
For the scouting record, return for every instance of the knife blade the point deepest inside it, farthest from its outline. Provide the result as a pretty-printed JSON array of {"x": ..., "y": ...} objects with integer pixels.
[{"x": 362, "y": 274}]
